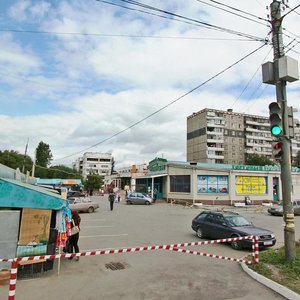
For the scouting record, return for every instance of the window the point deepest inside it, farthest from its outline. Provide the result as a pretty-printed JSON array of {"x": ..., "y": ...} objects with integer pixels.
[
  {"x": 180, "y": 183},
  {"x": 212, "y": 184}
]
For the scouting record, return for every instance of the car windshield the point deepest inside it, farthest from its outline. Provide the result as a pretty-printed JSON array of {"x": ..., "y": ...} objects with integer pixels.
[{"x": 237, "y": 221}]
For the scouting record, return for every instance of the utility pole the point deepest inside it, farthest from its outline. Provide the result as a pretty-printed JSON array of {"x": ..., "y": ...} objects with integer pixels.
[
  {"x": 23, "y": 167},
  {"x": 281, "y": 98}
]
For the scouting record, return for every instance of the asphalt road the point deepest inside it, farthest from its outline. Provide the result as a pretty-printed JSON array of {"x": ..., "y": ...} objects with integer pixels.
[{"x": 159, "y": 274}]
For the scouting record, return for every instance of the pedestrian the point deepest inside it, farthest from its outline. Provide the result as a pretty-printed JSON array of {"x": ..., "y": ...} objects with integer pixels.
[
  {"x": 111, "y": 199},
  {"x": 73, "y": 239},
  {"x": 119, "y": 196},
  {"x": 155, "y": 192}
]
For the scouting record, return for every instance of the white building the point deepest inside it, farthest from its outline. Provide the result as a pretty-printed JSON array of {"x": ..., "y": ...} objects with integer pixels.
[{"x": 94, "y": 163}]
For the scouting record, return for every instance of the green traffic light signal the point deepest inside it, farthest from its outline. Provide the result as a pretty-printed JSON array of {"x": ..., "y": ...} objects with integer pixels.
[
  {"x": 276, "y": 130},
  {"x": 276, "y": 119}
]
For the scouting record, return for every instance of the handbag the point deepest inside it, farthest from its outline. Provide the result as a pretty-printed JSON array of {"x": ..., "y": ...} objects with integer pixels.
[{"x": 75, "y": 229}]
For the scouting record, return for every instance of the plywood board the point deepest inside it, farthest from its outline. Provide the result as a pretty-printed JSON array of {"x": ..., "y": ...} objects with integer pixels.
[{"x": 35, "y": 226}]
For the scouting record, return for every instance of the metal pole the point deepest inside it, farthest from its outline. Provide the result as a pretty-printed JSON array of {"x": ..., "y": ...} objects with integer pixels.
[{"x": 286, "y": 175}]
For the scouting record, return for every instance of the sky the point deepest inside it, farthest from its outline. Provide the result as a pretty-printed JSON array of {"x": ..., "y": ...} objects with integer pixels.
[{"x": 113, "y": 77}]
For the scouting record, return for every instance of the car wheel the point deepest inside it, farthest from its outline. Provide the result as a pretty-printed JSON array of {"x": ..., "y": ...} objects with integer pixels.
[
  {"x": 236, "y": 245},
  {"x": 199, "y": 233},
  {"x": 129, "y": 202},
  {"x": 147, "y": 203},
  {"x": 91, "y": 209}
]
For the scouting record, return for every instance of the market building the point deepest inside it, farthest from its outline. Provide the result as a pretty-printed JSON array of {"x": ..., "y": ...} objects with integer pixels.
[
  {"x": 33, "y": 218},
  {"x": 221, "y": 184}
]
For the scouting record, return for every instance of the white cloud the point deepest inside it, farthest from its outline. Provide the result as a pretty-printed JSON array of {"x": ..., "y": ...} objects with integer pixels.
[{"x": 75, "y": 91}]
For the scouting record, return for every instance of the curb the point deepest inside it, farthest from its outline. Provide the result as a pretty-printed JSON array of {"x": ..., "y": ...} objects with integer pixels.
[{"x": 278, "y": 288}]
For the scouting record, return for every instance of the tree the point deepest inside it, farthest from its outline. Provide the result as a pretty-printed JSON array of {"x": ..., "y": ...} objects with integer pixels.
[
  {"x": 43, "y": 155},
  {"x": 13, "y": 159},
  {"x": 258, "y": 160},
  {"x": 63, "y": 172},
  {"x": 93, "y": 182}
]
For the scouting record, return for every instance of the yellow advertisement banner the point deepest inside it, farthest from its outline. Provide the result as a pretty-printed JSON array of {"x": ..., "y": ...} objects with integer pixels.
[{"x": 251, "y": 185}]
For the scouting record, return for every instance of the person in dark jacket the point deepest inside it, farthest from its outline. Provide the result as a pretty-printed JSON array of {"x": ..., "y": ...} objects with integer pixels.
[
  {"x": 73, "y": 239},
  {"x": 111, "y": 199}
]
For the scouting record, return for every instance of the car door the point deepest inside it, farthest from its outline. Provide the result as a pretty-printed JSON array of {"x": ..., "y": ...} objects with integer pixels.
[
  {"x": 133, "y": 198},
  {"x": 208, "y": 227},
  {"x": 217, "y": 227},
  {"x": 78, "y": 204},
  {"x": 140, "y": 198}
]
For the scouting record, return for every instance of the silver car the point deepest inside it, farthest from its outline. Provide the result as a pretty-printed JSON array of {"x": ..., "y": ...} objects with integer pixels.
[
  {"x": 84, "y": 204},
  {"x": 138, "y": 198},
  {"x": 277, "y": 210}
]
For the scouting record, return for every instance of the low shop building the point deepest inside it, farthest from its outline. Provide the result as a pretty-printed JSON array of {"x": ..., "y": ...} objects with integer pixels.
[
  {"x": 214, "y": 183},
  {"x": 29, "y": 215}
]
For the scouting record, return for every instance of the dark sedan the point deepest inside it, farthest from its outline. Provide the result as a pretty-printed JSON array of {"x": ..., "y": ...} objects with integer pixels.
[{"x": 222, "y": 225}]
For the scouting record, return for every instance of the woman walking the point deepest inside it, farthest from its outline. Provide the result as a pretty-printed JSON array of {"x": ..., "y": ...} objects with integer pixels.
[{"x": 73, "y": 239}]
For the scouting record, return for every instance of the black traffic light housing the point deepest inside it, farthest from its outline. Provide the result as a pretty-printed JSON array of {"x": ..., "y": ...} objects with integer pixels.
[
  {"x": 277, "y": 150},
  {"x": 276, "y": 125}
]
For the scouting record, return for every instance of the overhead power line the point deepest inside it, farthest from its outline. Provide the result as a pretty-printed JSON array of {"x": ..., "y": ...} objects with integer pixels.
[
  {"x": 165, "y": 106},
  {"x": 120, "y": 35},
  {"x": 235, "y": 9},
  {"x": 190, "y": 21}
]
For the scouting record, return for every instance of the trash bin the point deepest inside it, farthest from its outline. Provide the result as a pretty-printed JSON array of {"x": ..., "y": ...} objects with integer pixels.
[{"x": 247, "y": 200}]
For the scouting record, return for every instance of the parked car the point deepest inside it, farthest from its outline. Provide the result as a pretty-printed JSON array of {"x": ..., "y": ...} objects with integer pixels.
[
  {"x": 84, "y": 204},
  {"x": 75, "y": 194},
  {"x": 277, "y": 210},
  {"x": 138, "y": 198},
  {"x": 222, "y": 225}
]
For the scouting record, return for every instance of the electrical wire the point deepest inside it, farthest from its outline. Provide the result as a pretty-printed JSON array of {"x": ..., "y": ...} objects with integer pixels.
[
  {"x": 248, "y": 83},
  {"x": 291, "y": 10},
  {"x": 165, "y": 106},
  {"x": 120, "y": 35},
  {"x": 189, "y": 20},
  {"x": 235, "y": 9}
]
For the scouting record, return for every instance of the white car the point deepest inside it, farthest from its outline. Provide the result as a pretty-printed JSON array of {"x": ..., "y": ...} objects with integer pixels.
[{"x": 84, "y": 204}]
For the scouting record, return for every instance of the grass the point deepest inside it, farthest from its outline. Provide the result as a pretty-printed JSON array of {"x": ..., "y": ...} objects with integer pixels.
[{"x": 272, "y": 265}]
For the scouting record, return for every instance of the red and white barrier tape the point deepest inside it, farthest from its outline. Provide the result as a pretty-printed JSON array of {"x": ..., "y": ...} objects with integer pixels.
[
  {"x": 172, "y": 247},
  {"x": 126, "y": 250}
]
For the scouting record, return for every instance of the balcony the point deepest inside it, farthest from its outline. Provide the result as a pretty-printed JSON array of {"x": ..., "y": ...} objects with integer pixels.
[
  {"x": 215, "y": 148},
  {"x": 251, "y": 122},
  {"x": 217, "y": 141},
  {"x": 214, "y": 125},
  {"x": 251, "y": 129},
  {"x": 215, "y": 156},
  {"x": 260, "y": 138}
]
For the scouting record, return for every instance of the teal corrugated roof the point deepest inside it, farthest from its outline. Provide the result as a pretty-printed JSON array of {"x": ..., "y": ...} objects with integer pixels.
[{"x": 16, "y": 194}]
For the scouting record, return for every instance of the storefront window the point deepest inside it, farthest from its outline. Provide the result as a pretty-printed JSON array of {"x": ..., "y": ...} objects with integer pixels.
[
  {"x": 255, "y": 185},
  {"x": 212, "y": 184},
  {"x": 180, "y": 183}
]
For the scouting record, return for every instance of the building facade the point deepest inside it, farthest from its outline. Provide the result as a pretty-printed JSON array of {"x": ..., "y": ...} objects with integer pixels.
[
  {"x": 94, "y": 163},
  {"x": 216, "y": 136},
  {"x": 219, "y": 184}
]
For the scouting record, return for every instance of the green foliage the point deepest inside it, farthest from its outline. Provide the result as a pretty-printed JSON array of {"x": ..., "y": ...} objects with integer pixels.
[
  {"x": 93, "y": 182},
  {"x": 13, "y": 159},
  {"x": 272, "y": 264},
  {"x": 43, "y": 155},
  {"x": 62, "y": 172},
  {"x": 258, "y": 160}
]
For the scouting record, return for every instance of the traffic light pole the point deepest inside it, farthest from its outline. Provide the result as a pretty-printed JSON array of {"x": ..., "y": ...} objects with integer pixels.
[{"x": 286, "y": 175}]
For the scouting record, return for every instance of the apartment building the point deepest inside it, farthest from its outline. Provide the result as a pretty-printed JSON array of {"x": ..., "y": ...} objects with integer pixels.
[
  {"x": 94, "y": 163},
  {"x": 216, "y": 136}
]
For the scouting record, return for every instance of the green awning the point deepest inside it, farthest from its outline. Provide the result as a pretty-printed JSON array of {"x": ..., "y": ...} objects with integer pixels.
[{"x": 16, "y": 194}]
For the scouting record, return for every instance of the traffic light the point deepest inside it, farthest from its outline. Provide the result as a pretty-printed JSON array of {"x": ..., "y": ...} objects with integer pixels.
[
  {"x": 276, "y": 125},
  {"x": 277, "y": 150}
]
